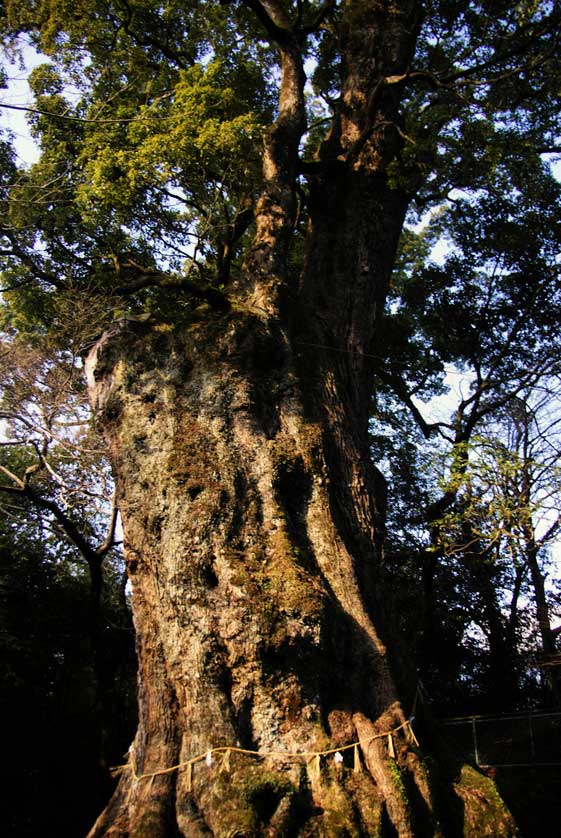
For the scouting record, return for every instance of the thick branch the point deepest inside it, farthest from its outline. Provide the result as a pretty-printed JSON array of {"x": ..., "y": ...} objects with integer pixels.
[
  {"x": 109, "y": 541},
  {"x": 500, "y": 57},
  {"x": 182, "y": 59},
  {"x": 142, "y": 277},
  {"x": 93, "y": 556},
  {"x": 26, "y": 259},
  {"x": 397, "y": 385},
  {"x": 272, "y": 17}
]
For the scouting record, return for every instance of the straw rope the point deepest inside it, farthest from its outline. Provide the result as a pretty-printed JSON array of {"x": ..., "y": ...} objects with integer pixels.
[{"x": 227, "y": 750}]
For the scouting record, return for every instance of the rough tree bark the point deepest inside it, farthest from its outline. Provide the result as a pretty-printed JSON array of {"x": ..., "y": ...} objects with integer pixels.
[{"x": 253, "y": 516}]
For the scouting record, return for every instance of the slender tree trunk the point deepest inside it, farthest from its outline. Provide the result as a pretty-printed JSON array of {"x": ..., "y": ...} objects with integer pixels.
[
  {"x": 501, "y": 681},
  {"x": 531, "y": 551},
  {"x": 547, "y": 636}
]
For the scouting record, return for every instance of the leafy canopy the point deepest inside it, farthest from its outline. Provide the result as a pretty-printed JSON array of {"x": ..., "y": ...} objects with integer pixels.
[{"x": 149, "y": 118}]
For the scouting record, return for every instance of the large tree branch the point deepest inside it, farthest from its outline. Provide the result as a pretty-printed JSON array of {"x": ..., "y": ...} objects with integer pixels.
[
  {"x": 36, "y": 270},
  {"x": 92, "y": 556},
  {"x": 234, "y": 231},
  {"x": 521, "y": 48},
  {"x": 25, "y": 491},
  {"x": 109, "y": 541},
  {"x": 147, "y": 39},
  {"x": 272, "y": 17},
  {"x": 397, "y": 385},
  {"x": 143, "y": 277}
]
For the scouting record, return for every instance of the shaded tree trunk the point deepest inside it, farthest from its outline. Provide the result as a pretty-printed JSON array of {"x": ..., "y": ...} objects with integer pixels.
[
  {"x": 532, "y": 549},
  {"x": 501, "y": 682},
  {"x": 253, "y": 516},
  {"x": 547, "y": 636}
]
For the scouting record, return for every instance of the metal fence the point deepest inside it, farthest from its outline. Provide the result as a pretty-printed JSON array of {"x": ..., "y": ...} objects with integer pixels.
[{"x": 517, "y": 740}]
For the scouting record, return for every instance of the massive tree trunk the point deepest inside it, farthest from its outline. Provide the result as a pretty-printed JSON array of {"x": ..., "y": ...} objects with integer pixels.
[
  {"x": 253, "y": 548},
  {"x": 253, "y": 516}
]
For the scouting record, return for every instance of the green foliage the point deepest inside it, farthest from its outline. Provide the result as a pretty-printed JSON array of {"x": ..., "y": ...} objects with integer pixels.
[
  {"x": 498, "y": 283},
  {"x": 149, "y": 163},
  {"x": 157, "y": 150},
  {"x": 479, "y": 560},
  {"x": 174, "y": 142}
]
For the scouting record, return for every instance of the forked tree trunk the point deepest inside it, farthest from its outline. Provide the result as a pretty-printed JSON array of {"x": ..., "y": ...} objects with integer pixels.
[{"x": 253, "y": 516}]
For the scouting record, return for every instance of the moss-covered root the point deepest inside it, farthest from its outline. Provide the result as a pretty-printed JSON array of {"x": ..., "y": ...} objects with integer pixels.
[{"x": 485, "y": 813}]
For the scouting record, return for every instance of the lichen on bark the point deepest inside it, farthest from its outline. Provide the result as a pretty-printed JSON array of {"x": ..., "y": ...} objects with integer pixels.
[{"x": 254, "y": 630}]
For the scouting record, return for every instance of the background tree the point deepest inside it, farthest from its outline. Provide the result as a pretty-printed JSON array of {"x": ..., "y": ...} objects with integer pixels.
[
  {"x": 490, "y": 550},
  {"x": 62, "y": 726},
  {"x": 54, "y": 461},
  {"x": 68, "y": 646},
  {"x": 509, "y": 504},
  {"x": 236, "y": 414},
  {"x": 486, "y": 311}
]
